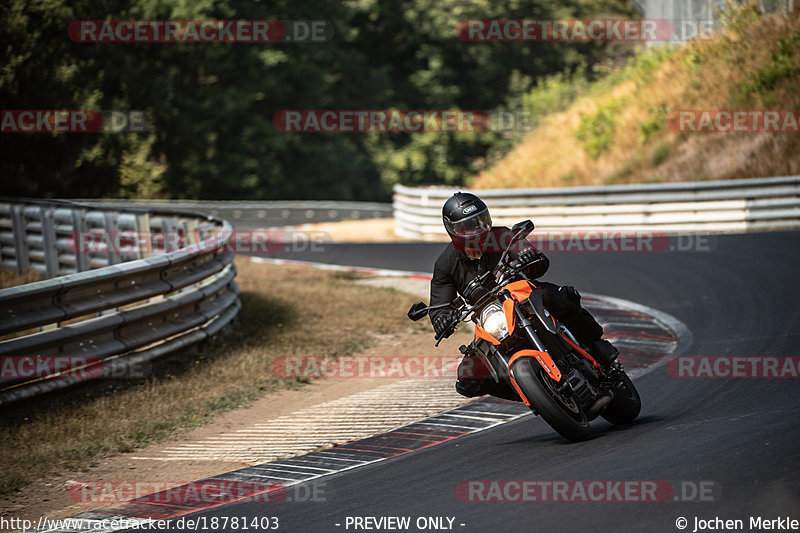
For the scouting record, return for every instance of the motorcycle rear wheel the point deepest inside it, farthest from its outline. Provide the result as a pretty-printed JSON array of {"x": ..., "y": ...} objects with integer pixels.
[
  {"x": 626, "y": 405},
  {"x": 563, "y": 414}
]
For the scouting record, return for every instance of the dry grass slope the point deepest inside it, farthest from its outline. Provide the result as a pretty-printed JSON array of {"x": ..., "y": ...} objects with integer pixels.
[{"x": 619, "y": 134}]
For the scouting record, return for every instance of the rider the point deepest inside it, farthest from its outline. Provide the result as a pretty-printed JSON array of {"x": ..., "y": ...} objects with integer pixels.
[{"x": 476, "y": 248}]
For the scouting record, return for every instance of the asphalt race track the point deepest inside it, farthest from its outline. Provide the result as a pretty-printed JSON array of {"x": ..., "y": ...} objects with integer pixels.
[{"x": 736, "y": 439}]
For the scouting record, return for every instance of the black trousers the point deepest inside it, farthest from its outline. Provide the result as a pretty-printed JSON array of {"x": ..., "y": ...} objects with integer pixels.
[{"x": 565, "y": 304}]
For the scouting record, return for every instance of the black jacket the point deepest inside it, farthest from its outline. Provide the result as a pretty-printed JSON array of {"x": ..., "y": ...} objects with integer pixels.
[{"x": 454, "y": 270}]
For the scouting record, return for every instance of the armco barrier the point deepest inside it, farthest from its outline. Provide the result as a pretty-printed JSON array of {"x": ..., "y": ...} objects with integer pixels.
[
  {"x": 713, "y": 206},
  {"x": 264, "y": 214},
  {"x": 133, "y": 307}
]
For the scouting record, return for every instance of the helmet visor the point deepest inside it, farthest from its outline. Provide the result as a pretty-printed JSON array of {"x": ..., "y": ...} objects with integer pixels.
[{"x": 474, "y": 226}]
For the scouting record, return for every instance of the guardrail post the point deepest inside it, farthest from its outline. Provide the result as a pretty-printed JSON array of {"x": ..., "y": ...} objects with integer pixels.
[
  {"x": 111, "y": 227},
  {"x": 191, "y": 232},
  {"x": 20, "y": 238},
  {"x": 143, "y": 235},
  {"x": 49, "y": 244},
  {"x": 170, "y": 228},
  {"x": 78, "y": 230}
]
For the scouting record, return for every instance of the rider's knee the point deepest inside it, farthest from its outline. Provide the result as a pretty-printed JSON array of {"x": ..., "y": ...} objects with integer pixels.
[{"x": 564, "y": 302}]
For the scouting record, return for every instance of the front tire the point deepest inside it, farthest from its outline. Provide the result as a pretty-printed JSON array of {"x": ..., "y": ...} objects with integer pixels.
[
  {"x": 626, "y": 405},
  {"x": 563, "y": 415}
]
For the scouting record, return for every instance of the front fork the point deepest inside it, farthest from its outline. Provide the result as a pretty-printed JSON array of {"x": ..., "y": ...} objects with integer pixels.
[
  {"x": 524, "y": 323},
  {"x": 506, "y": 360}
]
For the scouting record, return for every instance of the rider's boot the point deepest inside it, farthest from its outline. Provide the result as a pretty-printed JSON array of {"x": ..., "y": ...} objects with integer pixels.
[
  {"x": 470, "y": 388},
  {"x": 604, "y": 352}
]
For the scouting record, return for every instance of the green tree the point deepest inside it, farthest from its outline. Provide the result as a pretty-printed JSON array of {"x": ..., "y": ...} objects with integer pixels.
[{"x": 212, "y": 104}]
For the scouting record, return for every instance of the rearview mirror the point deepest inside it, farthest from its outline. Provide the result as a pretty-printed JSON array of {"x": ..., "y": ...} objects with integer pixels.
[
  {"x": 418, "y": 311},
  {"x": 519, "y": 231},
  {"x": 522, "y": 229}
]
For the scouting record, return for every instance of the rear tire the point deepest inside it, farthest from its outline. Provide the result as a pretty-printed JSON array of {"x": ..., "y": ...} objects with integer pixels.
[
  {"x": 626, "y": 405},
  {"x": 563, "y": 415}
]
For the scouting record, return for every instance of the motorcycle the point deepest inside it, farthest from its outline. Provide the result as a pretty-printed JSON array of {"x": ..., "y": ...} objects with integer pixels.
[{"x": 522, "y": 344}]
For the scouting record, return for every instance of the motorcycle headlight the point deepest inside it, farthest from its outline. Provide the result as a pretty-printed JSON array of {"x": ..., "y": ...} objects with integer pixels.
[{"x": 493, "y": 320}]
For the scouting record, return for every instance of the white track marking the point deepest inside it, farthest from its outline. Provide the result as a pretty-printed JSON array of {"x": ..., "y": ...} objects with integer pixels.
[
  {"x": 338, "y": 421},
  {"x": 681, "y": 331}
]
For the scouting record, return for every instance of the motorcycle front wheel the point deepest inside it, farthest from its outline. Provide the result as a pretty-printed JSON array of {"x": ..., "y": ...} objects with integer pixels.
[{"x": 563, "y": 414}]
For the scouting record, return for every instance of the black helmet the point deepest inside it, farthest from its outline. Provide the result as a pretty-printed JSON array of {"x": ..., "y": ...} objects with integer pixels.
[{"x": 466, "y": 218}]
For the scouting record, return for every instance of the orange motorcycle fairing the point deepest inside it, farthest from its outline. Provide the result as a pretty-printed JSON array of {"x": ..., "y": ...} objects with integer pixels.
[
  {"x": 481, "y": 333},
  {"x": 520, "y": 290},
  {"x": 511, "y": 318},
  {"x": 544, "y": 360}
]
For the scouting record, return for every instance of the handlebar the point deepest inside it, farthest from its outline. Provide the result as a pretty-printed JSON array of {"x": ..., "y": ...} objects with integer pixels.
[{"x": 464, "y": 309}]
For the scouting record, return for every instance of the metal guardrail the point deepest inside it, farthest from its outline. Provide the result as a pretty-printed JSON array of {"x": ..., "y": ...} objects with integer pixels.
[
  {"x": 251, "y": 215},
  {"x": 713, "y": 206},
  {"x": 122, "y": 307},
  {"x": 692, "y": 19}
]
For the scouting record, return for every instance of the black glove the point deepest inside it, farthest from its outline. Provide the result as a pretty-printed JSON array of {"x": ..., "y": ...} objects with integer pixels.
[
  {"x": 527, "y": 257},
  {"x": 445, "y": 324}
]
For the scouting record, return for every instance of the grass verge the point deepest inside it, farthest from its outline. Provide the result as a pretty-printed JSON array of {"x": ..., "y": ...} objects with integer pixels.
[
  {"x": 286, "y": 311},
  {"x": 9, "y": 278}
]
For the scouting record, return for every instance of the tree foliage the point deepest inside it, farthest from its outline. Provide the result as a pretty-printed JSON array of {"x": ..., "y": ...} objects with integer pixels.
[{"x": 212, "y": 104}]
